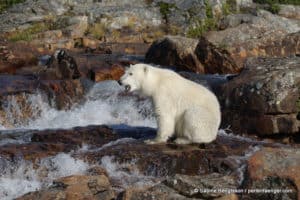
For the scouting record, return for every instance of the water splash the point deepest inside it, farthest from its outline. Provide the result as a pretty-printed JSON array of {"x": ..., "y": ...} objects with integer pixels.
[
  {"x": 126, "y": 174},
  {"x": 104, "y": 105},
  {"x": 20, "y": 177}
]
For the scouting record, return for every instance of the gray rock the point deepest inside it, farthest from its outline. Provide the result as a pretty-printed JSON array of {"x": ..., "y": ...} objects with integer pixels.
[
  {"x": 289, "y": 11},
  {"x": 264, "y": 96},
  {"x": 265, "y": 35},
  {"x": 205, "y": 186}
]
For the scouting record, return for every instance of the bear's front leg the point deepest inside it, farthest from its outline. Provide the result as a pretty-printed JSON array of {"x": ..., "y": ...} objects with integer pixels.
[{"x": 166, "y": 127}]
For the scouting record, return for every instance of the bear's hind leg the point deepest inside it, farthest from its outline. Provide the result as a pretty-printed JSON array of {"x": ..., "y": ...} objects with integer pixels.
[
  {"x": 199, "y": 125},
  {"x": 182, "y": 140}
]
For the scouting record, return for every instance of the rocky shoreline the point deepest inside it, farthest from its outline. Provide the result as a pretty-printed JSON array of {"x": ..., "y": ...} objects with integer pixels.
[{"x": 81, "y": 137}]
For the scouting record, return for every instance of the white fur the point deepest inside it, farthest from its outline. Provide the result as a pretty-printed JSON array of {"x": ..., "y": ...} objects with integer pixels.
[{"x": 184, "y": 108}]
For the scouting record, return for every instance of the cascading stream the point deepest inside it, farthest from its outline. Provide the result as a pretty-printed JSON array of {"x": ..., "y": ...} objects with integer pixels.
[{"x": 104, "y": 105}]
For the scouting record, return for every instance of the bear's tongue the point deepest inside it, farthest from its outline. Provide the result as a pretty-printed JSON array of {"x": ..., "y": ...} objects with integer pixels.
[{"x": 127, "y": 88}]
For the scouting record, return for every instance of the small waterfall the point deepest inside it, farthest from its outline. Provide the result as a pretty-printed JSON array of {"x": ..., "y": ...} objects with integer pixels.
[
  {"x": 20, "y": 177},
  {"x": 105, "y": 104}
]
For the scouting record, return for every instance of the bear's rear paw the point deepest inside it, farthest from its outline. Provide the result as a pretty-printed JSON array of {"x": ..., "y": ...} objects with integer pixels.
[
  {"x": 182, "y": 141},
  {"x": 154, "y": 141}
]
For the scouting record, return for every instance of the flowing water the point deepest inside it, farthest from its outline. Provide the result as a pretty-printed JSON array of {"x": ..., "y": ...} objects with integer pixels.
[{"x": 105, "y": 104}]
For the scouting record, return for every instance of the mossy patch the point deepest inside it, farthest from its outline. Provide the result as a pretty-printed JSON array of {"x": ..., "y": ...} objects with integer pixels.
[
  {"x": 29, "y": 33},
  {"x": 4, "y": 4},
  {"x": 97, "y": 30},
  {"x": 165, "y": 9},
  {"x": 199, "y": 27}
]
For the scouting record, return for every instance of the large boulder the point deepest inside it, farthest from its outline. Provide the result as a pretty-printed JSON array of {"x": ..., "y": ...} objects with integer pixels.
[
  {"x": 274, "y": 169},
  {"x": 191, "y": 55},
  {"x": 175, "y": 51},
  {"x": 262, "y": 34},
  {"x": 263, "y": 98}
]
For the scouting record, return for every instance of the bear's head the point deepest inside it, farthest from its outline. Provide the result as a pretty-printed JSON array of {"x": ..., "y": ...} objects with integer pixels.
[{"x": 135, "y": 78}]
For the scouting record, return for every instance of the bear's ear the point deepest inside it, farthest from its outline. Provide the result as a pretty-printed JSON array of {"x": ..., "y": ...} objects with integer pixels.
[{"x": 145, "y": 69}]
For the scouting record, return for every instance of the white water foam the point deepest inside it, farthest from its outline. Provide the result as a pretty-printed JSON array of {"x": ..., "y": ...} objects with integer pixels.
[
  {"x": 126, "y": 174},
  {"x": 104, "y": 105},
  {"x": 21, "y": 177}
]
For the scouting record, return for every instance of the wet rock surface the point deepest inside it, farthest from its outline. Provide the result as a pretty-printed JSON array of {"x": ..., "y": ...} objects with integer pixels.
[
  {"x": 17, "y": 103},
  {"x": 121, "y": 163}
]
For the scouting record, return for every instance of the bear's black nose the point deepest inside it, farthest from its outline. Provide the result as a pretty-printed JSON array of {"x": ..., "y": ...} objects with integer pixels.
[{"x": 119, "y": 81}]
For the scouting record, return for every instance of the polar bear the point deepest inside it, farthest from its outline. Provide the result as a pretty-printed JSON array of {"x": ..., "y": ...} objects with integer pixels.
[{"x": 184, "y": 109}]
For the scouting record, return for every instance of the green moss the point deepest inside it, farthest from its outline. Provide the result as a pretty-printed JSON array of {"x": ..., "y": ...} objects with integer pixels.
[
  {"x": 4, "y": 4},
  {"x": 273, "y": 5},
  {"x": 165, "y": 9},
  {"x": 28, "y": 34},
  {"x": 274, "y": 8},
  {"x": 97, "y": 30},
  {"x": 201, "y": 26}
]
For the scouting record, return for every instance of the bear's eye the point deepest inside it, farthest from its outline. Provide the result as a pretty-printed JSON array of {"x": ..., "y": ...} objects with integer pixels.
[{"x": 130, "y": 74}]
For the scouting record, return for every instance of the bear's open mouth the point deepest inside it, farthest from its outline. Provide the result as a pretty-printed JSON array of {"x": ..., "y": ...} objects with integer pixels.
[{"x": 127, "y": 88}]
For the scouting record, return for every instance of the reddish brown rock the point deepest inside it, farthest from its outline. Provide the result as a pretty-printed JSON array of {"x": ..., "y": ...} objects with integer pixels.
[
  {"x": 17, "y": 55},
  {"x": 272, "y": 168},
  {"x": 112, "y": 73},
  {"x": 75, "y": 187},
  {"x": 215, "y": 60},
  {"x": 51, "y": 142}
]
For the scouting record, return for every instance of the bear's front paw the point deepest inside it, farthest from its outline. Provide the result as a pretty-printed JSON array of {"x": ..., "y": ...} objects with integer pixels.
[{"x": 153, "y": 141}]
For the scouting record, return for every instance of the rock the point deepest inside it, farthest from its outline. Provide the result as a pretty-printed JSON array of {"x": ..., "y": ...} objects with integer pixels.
[
  {"x": 215, "y": 60},
  {"x": 265, "y": 35},
  {"x": 192, "y": 55},
  {"x": 21, "y": 97},
  {"x": 75, "y": 187},
  {"x": 233, "y": 20},
  {"x": 213, "y": 82},
  {"x": 65, "y": 65},
  {"x": 272, "y": 168},
  {"x": 77, "y": 26},
  {"x": 185, "y": 187},
  {"x": 170, "y": 159},
  {"x": 51, "y": 142},
  {"x": 14, "y": 56},
  {"x": 195, "y": 186},
  {"x": 51, "y": 35},
  {"x": 65, "y": 93},
  {"x": 175, "y": 51},
  {"x": 159, "y": 191},
  {"x": 113, "y": 73},
  {"x": 262, "y": 99},
  {"x": 289, "y": 11}
]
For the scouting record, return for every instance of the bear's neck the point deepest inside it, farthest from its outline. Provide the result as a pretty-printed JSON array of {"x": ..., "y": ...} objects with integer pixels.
[{"x": 149, "y": 86}]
